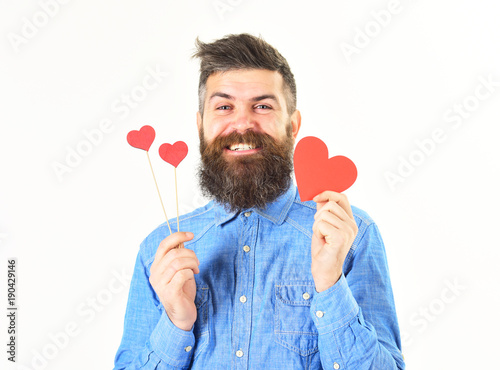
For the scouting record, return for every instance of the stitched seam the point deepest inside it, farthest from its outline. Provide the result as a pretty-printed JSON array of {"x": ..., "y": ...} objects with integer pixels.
[
  {"x": 299, "y": 227},
  {"x": 360, "y": 235},
  {"x": 305, "y": 204},
  {"x": 173, "y": 220},
  {"x": 286, "y": 209}
]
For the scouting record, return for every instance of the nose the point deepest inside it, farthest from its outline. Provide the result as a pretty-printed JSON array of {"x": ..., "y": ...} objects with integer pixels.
[{"x": 243, "y": 120}]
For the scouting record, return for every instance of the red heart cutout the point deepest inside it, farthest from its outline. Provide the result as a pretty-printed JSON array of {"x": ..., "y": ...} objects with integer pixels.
[
  {"x": 175, "y": 153},
  {"x": 315, "y": 172},
  {"x": 142, "y": 139}
]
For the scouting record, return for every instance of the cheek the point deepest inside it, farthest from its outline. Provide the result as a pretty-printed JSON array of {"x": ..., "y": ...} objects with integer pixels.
[
  {"x": 213, "y": 128},
  {"x": 274, "y": 130},
  {"x": 219, "y": 130}
]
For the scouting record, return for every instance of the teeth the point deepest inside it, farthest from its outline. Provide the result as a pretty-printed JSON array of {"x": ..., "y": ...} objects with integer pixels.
[{"x": 241, "y": 147}]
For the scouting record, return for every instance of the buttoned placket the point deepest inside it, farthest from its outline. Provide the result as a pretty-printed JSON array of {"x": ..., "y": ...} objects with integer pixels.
[{"x": 245, "y": 269}]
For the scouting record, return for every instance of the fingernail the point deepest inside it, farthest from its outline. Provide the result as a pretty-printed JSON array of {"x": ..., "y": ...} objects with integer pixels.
[{"x": 189, "y": 235}]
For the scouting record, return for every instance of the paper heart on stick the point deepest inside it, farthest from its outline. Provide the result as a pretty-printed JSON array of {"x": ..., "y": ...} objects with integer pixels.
[
  {"x": 173, "y": 154},
  {"x": 315, "y": 172},
  {"x": 142, "y": 139}
]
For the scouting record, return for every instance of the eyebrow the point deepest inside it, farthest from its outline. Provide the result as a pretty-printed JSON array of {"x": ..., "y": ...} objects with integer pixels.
[{"x": 254, "y": 99}]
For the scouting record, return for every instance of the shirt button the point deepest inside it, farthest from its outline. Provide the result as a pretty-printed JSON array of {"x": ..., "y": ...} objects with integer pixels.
[
  {"x": 319, "y": 314},
  {"x": 243, "y": 299},
  {"x": 188, "y": 348},
  {"x": 247, "y": 214},
  {"x": 246, "y": 248},
  {"x": 239, "y": 353},
  {"x": 336, "y": 366},
  {"x": 306, "y": 296}
]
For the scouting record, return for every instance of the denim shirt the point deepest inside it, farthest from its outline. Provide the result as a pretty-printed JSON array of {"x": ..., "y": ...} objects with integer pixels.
[{"x": 257, "y": 304}]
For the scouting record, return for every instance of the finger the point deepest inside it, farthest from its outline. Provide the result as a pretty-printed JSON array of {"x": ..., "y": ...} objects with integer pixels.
[
  {"x": 162, "y": 275},
  {"x": 175, "y": 253},
  {"x": 180, "y": 278},
  {"x": 177, "y": 265},
  {"x": 332, "y": 208},
  {"x": 172, "y": 256},
  {"x": 331, "y": 219},
  {"x": 332, "y": 235},
  {"x": 171, "y": 242},
  {"x": 322, "y": 229},
  {"x": 339, "y": 198}
]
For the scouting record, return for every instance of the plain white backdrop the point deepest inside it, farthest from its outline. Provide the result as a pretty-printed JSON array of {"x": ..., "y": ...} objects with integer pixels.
[{"x": 409, "y": 90}]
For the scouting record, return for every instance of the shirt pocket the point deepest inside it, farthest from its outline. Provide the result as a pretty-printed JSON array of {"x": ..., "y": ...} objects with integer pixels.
[
  {"x": 201, "y": 326},
  {"x": 293, "y": 325}
]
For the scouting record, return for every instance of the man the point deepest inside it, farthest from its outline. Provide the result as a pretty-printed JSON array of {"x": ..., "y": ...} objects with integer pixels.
[{"x": 264, "y": 281}]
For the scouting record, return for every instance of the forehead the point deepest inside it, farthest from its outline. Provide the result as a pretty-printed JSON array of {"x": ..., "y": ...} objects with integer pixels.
[{"x": 245, "y": 83}]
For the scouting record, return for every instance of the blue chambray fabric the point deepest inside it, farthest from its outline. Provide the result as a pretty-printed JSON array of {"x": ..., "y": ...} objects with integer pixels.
[{"x": 257, "y": 305}]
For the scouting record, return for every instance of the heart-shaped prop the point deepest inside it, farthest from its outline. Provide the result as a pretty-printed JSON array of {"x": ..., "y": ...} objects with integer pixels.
[
  {"x": 142, "y": 139},
  {"x": 315, "y": 172},
  {"x": 173, "y": 154}
]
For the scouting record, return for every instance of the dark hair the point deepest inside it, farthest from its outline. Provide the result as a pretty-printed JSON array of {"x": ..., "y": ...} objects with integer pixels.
[{"x": 242, "y": 51}]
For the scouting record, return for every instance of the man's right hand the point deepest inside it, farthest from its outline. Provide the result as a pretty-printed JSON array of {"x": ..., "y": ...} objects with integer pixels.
[{"x": 172, "y": 278}]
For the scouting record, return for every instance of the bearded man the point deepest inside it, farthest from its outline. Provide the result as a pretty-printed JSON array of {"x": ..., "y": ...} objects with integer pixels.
[{"x": 263, "y": 280}]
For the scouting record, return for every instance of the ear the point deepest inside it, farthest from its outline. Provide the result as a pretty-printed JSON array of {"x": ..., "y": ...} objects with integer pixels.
[
  {"x": 199, "y": 121},
  {"x": 295, "y": 121}
]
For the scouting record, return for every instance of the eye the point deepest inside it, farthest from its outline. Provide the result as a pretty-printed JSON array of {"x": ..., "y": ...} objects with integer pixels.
[
  {"x": 223, "y": 107},
  {"x": 263, "y": 106}
]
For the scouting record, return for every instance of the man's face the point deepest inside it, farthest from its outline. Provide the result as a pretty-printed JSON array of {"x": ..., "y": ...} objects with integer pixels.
[
  {"x": 246, "y": 138},
  {"x": 242, "y": 100}
]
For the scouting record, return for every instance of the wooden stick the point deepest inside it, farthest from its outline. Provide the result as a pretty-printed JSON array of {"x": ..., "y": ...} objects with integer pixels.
[
  {"x": 177, "y": 205},
  {"x": 157, "y": 189},
  {"x": 176, "y": 198}
]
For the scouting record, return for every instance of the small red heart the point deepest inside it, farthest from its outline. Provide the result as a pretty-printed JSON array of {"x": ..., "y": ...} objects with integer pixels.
[
  {"x": 142, "y": 139},
  {"x": 175, "y": 153},
  {"x": 315, "y": 172}
]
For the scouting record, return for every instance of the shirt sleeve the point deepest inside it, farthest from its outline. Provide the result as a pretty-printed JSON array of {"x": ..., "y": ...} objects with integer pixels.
[
  {"x": 356, "y": 318},
  {"x": 150, "y": 340}
]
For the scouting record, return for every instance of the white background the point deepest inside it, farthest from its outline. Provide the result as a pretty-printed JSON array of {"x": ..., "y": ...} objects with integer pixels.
[{"x": 72, "y": 234}]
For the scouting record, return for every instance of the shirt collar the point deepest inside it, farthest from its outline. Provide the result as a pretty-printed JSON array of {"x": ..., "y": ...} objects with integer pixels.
[{"x": 275, "y": 211}]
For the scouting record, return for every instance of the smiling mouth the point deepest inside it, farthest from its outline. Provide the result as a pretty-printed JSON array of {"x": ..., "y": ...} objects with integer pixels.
[
  {"x": 241, "y": 148},
  {"x": 238, "y": 147}
]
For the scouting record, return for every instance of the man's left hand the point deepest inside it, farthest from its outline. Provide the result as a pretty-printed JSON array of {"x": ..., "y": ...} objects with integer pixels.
[{"x": 334, "y": 230}]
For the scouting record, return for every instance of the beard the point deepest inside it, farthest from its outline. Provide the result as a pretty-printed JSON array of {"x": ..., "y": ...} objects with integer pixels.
[{"x": 246, "y": 181}]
